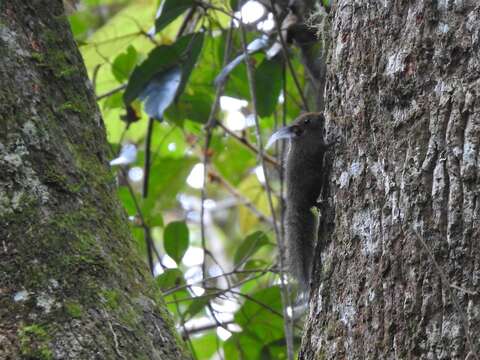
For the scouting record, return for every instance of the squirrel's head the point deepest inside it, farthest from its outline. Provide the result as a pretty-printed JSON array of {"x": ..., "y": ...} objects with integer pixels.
[{"x": 306, "y": 130}]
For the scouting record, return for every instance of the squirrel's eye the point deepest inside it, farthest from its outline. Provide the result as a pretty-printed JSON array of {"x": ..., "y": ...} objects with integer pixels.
[{"x": 306, "y": 121}]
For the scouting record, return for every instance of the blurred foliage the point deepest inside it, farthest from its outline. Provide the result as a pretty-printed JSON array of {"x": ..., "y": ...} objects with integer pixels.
[{"x": 226, "y": 299}]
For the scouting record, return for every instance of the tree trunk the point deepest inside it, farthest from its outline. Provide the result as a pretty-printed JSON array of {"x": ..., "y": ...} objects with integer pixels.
[
  {"x": 71, "y": 285},
  {"x": 397, "y": 270}
]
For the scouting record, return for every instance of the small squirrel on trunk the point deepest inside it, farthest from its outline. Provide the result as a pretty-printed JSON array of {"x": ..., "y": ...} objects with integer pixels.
[{"x": 304, "y": 165}]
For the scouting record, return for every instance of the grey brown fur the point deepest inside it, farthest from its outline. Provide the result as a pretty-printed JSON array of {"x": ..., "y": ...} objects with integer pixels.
[{"x": 303, "y": 180}]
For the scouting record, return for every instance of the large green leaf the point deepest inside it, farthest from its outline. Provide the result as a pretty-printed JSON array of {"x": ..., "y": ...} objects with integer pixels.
[
  {"x": 205, "y": 345},
  {"x": 175, "y": 240},
  {"x": 240, "y": 347},
  {"x": 189, "y": 57},
  {"x": 169, "y": 11},
  {"x": 261, "y": 315},
  {"x": 167, "y": 179},
  {"x": 184, "y": 53},
  {"x": 268, "y": 84}
]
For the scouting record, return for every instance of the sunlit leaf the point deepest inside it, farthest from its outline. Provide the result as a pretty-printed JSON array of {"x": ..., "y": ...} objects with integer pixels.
[
  {"x": 175, "y": 240},
  {"x": 205, "y": 345},
  {"x": 113, "y": 102},
  {"x": 124, "y": 63},
  {"x": 254, "y": 191},
  {"x": 167, "y": 178}
]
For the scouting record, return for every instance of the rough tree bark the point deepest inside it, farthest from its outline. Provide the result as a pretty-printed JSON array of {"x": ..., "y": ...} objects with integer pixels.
[
  {"x": 71, "y": 285},
  {"x": 403, "y": 92}
]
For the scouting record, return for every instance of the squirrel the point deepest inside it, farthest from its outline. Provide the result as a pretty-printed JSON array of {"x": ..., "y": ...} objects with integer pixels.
[{"x": 304, "y": 162}]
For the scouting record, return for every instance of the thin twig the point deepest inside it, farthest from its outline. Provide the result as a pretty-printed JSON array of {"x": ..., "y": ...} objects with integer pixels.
[
  {"x": 94, "y": 77},
  {"x": 112, "y": 92},
  {"x": 219, "y": 292},
  {"x": 236, "y": 272},
  {"x": 146, "y": 166},
  {"x": 284, "y": 292},
  {"x": 208, "y": 135},
  {"x": 148, "y": 239},
  {"x": 242, "y": 199},
  {"x": 248, "y": 144},
  {"x": 205, "y": 327},
  {"x": 186, "y": 20}
]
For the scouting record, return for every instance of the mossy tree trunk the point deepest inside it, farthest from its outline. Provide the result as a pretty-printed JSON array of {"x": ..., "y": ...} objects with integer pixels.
[
  {"x": 398, "y": 263},
  {"x": 71, "y": 284}
]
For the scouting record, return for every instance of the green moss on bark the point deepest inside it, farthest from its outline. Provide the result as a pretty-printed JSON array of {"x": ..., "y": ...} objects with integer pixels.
[
  {"x": 34, "y": 342},
  {"x": 70, "y": 263}
]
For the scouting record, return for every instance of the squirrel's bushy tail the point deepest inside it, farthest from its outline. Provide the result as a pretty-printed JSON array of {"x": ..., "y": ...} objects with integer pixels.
[{"x": 300, "y": 234}]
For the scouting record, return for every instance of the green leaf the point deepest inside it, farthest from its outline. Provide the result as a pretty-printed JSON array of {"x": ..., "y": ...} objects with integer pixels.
[
  {"x": 189, "y": 58},
  {"x": 169, "y": 11},
  {"x": 124, "y": 63},
  {"x": 192, "y": 107},
  {"x": 113, "y": 102},
  {"x": 250, "y": 246},
  {"x": 154, "y": 219},
  {"x": 197, "y": 305},
  {"x": 175, "y": 240},
  {"x": 233, "y": 5},
  {"x": 159, "y": 60},
  {"x": 261, "y": 313},
  {"x": 168, "y": 177},
  {"x": 268, "y": 84},
  {"x": 241, "y": 346},
  {"x": 227, "y": 149},
  {"x": 255, "y": 264},
  {"x": 205, "y": 345},
  {"x": 184, "y": 53},
  {"x": 276, "y": 349},
  {"x": 170, "y": 279},
  {"x": 237, "y": 84},
  {"x": 79, "y": 24}
]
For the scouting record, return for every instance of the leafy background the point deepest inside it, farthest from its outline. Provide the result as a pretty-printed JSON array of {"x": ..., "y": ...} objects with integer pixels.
[{"x": 218, "y": 267}]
